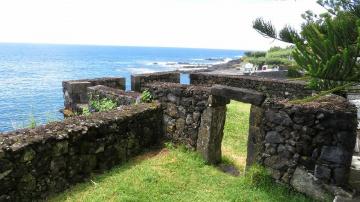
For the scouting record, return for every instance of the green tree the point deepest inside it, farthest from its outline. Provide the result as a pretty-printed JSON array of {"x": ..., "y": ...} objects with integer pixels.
[{"x": 328, "y": 46}]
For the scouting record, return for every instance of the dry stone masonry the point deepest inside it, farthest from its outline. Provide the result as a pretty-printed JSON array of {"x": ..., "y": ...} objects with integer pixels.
[
  {"x": 192, "y": 117},
  {"x": 75, "y": 91},
  {"x": 47, "y": 159},
  {"x": 273, "y": 88},
  {"x": 139, "y": 80},
  {"x": 120, "y": 97},
  {"x": 307, "y": 146},
  {"x": 315, "y": 138}
]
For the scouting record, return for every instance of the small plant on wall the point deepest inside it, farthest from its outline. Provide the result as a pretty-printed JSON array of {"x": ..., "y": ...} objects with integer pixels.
[
  {"x": 146, "y": 96},
  {"x": 101, "y": 105}
]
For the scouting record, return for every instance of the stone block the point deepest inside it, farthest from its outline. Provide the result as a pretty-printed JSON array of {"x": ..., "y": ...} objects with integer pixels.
[
  {"x": 140, "y": 80},
  {"x": 305, "y": 183},
  {"x": 216, "y": 101},
  {"x": 279, "y": 118},
  {"x": 273, "y": 137},
  {"x": 276, "y": 162},
  {"x": 336, "y": 155},
  {"x": 239, "y": 94},
  {"x": 341, "y": 175},
  {"x": 210, "y": 134},
  {"x": 322, "y": 172}
]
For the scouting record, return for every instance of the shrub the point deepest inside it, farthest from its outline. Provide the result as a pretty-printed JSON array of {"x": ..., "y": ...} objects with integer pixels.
[
  {"x": 293, "y": 72},
  {"x": 146, "y": 96},
  {"x": 255, "y": 54},
  {"x": 86, "y": 111},
  {"x": 100, "y": 105},
  {"x": 328, "y": 46}
]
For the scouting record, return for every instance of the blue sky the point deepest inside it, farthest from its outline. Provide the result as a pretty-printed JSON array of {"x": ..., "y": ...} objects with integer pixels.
[{"x": 224, "y": 24}]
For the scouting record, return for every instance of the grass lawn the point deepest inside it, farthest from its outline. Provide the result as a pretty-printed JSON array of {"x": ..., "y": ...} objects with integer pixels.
[{"x": 174, "y": 174}]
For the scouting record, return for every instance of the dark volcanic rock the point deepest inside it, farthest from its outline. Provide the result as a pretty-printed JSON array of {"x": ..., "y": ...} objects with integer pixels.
[
  {"x": 337, "y": 155},
  {"x": 239, "y": 94},
  {"x": 322, "y": 172},
  {"x": 273, "y": 137}
]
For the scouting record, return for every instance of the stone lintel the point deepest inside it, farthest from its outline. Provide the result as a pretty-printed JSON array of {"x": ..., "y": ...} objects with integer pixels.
[{"x": 239, "y": 94}]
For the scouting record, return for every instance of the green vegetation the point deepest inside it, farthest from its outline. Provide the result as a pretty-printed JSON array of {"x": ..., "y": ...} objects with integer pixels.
[
  {"x": 32, "y": 121},
  {"x": 146, "y": 96},
  {"x": 293, "y": 72},
  {"x": 86, "y": 111},
  {"x": 98, "y": 105},
  {"x": 234, "y": 144},
  {"x": 176, "y": 174},
  {"x": 101, "y": 105},
  {"x": 328, "y": 46},
  {"x": 276, "y": 56}
]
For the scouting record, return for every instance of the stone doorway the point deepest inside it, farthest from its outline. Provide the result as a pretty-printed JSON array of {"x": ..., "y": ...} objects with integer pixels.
[
  {"x": 236, "y": 130},
  {"x": 239, "y": 102}
]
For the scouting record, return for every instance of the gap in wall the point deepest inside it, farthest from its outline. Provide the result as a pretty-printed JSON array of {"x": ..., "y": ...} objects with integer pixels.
[{"x": 236, "y": 129}]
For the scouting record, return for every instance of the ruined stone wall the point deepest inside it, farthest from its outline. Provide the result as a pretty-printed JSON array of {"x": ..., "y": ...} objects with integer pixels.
[
  {"x": 271, "y": 87},
  {"x": 119, "y": 96},
  {"x": 139, "y": 80},
  {"x": 192, "y": 117},
  {"x": 47, "y": 159},
  {"x": 183, "y": 106},
  {"x": 75, "y": 91},
  {"x": 316, "y": 137}
]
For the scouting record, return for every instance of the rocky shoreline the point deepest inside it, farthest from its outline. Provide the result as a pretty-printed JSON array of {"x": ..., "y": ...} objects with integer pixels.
[{"x": 209, "y": 68}]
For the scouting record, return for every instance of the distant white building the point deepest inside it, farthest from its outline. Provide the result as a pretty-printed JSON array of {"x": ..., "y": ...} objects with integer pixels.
[
  {"x": 249, "y": 68},
  {"x": 246, "y": 67}
]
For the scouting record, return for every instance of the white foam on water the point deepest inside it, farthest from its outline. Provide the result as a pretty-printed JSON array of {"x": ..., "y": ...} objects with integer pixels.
[
  {"x": 139, "y": 70},
  {"x": 192, "y": 69}
]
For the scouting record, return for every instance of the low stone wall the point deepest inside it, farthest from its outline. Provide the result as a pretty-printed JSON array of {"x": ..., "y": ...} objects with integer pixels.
[
  {"x": 308, "y": 146},
  {"x": 139, "y": 80},
  {"x": 119, "y": 96},
  {"x": 192, "y": 117},
  {"x": 316, "y": 138},
  {"x": 273, "y": 88},
  {"x": 75, "y": 91},
  {"x": 281, "y": 74},
  {"x": 183, "y": 106},
  {"x": 47, "y": 159}
]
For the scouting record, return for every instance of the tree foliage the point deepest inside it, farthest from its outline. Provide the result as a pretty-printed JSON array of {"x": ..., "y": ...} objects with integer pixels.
[
  {"x": 276, "y": 56},
  {"x": 328, "y": 46}
]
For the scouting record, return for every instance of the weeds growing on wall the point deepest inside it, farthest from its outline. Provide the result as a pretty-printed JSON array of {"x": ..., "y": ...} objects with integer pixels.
[
  {"x": 101, "y": 105},
  {"x": 32, "y": 121},
  {"x": 86, "y": 111},
  {"x": 146, "y": 96},
  {"x": 98, "y": 105}
]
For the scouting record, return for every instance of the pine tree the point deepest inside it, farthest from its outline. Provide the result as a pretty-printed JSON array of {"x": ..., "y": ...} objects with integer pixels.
[{"x": 328, "y": 46}]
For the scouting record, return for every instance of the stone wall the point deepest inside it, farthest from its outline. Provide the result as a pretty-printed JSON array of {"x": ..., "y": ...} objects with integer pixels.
[
  {"x": 281, "y": 74},
  {"x": 354, "y": 97},
  {"x": 119, "y": 96},
  {"x": 192, "y": 117},
  {"x": 316, "y": 138},
  {"x": 75, "y": 91},
  {"x": 139, "y": 80},
  {"x": 47, "y": 159},
  {"x": 271, "y": 87}
]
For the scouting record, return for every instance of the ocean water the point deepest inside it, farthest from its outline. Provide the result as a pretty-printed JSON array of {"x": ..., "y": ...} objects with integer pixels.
[{"x": 31, "y": 74}]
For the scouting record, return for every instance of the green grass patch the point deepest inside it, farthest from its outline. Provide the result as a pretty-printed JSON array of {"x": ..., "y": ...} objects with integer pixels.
[{"x": 175, "y": 174}]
